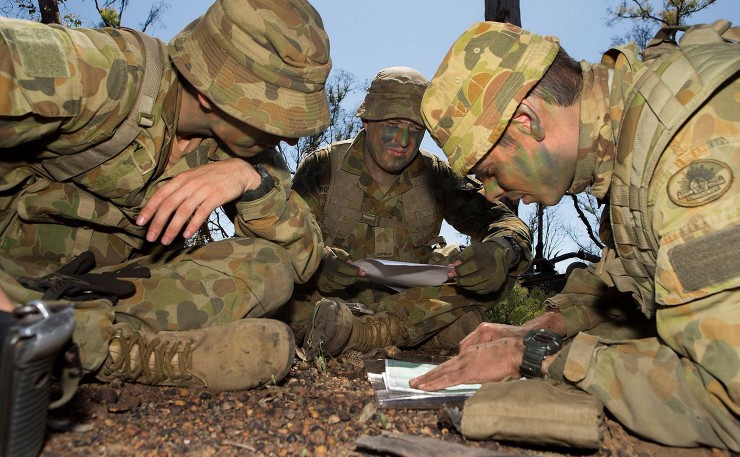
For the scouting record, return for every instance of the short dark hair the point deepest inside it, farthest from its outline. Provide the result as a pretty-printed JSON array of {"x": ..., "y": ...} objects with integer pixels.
[{"x": 562, "y": 83}]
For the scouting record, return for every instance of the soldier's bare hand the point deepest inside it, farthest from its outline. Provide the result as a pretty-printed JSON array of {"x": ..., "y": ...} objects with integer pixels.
[
  {"x": 487, "y": 362},
  {"x": 191, "y": 196},
  {"x": 488, "y": 332}
]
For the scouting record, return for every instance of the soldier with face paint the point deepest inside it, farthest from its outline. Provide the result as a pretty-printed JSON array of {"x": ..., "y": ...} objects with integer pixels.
[
  {"x": 379, "y": 196},
  {"x": 115, "y": 149},
  {"x": 659, "y": 142}
]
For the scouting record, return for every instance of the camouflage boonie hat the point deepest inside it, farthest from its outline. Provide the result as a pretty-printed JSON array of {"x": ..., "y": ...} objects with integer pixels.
[
  {"x": 395, "y": 93},
  {"x": 486, "y": 74},
  {"x": 264, "y": 62}
]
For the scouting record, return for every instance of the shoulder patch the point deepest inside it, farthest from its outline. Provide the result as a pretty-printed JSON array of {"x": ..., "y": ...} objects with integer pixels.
[
  {"x": 699, "y": 183},
  {"x": 40, "y": 51}
]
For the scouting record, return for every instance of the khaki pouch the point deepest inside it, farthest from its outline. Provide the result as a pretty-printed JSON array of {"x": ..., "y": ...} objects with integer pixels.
[{"x": 534, "y": 411}]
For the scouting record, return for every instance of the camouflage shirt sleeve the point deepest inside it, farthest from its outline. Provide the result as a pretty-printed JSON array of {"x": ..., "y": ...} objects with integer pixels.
[
  {"x": 683, "y": 388},
  {"x": 79, "y": 83},
  {"x": 470, "y": 213},
  {"x": 284, "y": 218}
]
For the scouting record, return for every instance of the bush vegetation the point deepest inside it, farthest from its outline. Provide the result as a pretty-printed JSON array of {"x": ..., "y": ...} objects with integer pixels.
[{"x": 521, "y": 305}]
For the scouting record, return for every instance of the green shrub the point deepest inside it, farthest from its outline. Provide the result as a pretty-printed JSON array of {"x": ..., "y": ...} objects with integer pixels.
[{"x": 520, "y": 306}]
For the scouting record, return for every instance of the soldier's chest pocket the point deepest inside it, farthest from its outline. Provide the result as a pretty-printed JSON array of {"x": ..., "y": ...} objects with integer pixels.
[
  {"x": 125, "y": 174},
  {"x": 423, "y": 226}
]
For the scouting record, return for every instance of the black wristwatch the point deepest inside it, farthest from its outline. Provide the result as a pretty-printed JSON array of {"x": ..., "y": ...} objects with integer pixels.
[
  {"x": 537, "y": 345},
  {"x": 267, "y": 184}
]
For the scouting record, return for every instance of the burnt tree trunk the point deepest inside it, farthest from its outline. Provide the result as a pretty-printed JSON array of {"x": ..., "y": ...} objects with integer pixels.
[
  {"x": 503, "y": 11},
  {"x": 50, "y": 12}
]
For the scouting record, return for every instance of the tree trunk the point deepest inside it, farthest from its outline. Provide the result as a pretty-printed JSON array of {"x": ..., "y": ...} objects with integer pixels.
[
  {"x": 503, "y": 11},
  {"x": 50, "y": 12}
]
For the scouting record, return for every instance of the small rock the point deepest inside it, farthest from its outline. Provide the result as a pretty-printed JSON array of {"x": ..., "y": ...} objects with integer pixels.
[
  {"x": 367, "y": 412},
  {"x": 124, "y": 406},
  {"x": 318, "y": 436},
  {"x": 105, "y": 395}
]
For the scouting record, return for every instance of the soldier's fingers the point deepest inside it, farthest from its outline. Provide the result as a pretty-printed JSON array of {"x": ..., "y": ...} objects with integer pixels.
[
  {"x": 201, "y": 214},
  {"x": 155, "y": 201},
  {"x": 484, "y": 333},
  {"x": 185, "y": 209},
  {"x": 439, "y": 378}
]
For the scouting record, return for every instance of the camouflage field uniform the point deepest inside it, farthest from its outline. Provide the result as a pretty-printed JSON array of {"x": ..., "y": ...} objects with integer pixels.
[
  {"x": 457, "y": 200},
  {"x": 683, "y": 386},
  {"x": 662, "y": 308},
  {"x": 65, "y": 90}
]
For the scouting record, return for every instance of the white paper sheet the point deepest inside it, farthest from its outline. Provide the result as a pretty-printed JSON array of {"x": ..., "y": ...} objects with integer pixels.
[
  {"x": 398, "y": 374},
  {"x": 402, "y": 275}
]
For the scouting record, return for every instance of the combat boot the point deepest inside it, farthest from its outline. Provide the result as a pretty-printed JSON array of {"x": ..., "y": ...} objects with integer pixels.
[
  {"x": 450, "y": 336},
  {"x": 236, "y": 356},
  {"x": 333, "y": 329}
]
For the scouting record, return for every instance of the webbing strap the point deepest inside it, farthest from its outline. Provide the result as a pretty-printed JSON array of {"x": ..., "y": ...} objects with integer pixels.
[{"x": 68, "y": 166}]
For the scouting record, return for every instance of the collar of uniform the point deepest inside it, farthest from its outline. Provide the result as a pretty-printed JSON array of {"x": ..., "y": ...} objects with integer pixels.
[
  {"x": 353, "y": 158},
  {"x": 595, "y": 146}
]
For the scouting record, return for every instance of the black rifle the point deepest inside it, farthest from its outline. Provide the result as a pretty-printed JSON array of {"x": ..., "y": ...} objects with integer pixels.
[{"x": 38, "y": 340}]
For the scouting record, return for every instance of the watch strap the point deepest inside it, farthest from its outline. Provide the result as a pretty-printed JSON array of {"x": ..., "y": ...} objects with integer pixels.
[
  {"x": 537, "y": 345},
  {"x": 265, "y": 186}
]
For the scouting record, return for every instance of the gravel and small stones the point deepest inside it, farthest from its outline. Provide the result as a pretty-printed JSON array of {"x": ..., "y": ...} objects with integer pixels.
[{"x": 317, "y": 410}]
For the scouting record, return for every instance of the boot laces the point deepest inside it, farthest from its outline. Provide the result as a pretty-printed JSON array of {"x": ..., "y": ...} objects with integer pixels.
[
  {"x": 155, "y": 363},
  {"x": 377, "y": 331}
]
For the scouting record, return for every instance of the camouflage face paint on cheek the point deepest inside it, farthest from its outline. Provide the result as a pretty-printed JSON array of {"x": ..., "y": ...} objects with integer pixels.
[
  {"x": 536, "y": 167},
  {"x": 491, "y": 188}
]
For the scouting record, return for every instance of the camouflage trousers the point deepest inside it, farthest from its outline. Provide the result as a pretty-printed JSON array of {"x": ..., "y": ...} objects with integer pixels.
[{"x": 200, "y": 287}]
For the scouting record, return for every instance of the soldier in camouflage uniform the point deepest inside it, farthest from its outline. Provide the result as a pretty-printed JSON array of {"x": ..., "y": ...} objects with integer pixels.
[
  {"x": 659, "y": 141},
  {"x": 379, "y": 196},
  {"x": 206, "y": 112}
]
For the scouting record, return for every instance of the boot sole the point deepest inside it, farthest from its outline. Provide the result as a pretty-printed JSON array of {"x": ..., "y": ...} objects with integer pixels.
[{"x": 322, "y": 328}]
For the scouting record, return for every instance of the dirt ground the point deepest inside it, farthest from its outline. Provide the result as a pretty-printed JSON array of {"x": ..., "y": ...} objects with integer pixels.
[{"x": 315, "y": 411}]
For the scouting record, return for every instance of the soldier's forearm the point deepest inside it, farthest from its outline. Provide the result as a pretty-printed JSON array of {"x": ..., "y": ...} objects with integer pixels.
[{"x": 550, "y": 320}]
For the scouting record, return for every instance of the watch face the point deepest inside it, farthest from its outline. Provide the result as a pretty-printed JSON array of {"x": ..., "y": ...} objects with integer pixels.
[{"x": 544, "y": 338}]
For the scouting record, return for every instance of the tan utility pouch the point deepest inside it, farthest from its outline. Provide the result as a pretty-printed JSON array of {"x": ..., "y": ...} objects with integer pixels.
[{"x": 534, "y": 411}]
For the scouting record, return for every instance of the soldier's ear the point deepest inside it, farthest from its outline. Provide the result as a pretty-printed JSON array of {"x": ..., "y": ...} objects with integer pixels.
[
  {"x": 205, "y": 104},
  {"x": 527, "y": 120}
]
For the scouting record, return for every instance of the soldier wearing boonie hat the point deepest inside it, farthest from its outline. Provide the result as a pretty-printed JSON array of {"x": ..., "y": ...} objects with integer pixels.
[
  {"x": 479, "y": 85},
  {"x": 156, "y": 137},
  {"x": 380, "y": 196},
  {"x": 657, "y": 139},
  {"x": 263, "y": 63},
  {"x": 394, "y": 93}
]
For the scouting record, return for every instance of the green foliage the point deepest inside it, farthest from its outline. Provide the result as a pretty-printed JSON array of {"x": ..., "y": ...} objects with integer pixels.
[
  {"x": 383, "y": 420},
  {"x": 320, "y": 362},
  {"x": 109, "y": 17},
  {"x": 520, "y": 306},
  {"x": 646, "y": 18}
]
